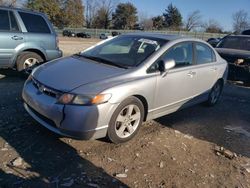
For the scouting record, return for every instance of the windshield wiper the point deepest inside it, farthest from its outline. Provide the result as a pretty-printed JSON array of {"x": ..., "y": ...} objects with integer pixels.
[{"x": 101, "y": 60}]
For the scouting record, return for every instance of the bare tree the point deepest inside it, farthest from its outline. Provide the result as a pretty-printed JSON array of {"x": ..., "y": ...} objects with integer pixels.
[
  {"x": 145, "y": 21},
  {"x": 240, "y": 21},
  {"x": 91, "y": 9},
  {"x": 193, "y": 20},
  {"x": 11, "y": 3},
  {"x": 147, "y": 24},
  {"x": 103, "y": 13},
  {"x": 212, "y": 26}
]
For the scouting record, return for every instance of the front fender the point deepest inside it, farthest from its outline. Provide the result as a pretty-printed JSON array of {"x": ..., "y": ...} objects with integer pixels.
[{"x": 143, "y": 87}]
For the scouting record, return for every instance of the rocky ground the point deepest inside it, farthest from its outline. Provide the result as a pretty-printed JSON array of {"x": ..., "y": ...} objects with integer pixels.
[{"x": 195, "y": 147}]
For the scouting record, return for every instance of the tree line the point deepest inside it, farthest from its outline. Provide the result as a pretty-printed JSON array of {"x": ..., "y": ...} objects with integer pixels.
[{"x": 108, "y": 14}]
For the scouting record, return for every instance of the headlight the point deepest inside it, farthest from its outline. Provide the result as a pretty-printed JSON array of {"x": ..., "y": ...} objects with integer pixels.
[{"x": 68, "y": 98}]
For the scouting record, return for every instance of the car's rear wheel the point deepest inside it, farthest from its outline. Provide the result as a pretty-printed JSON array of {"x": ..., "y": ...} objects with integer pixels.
[
  {"x": 126, "y": 120},
  {"x": 215, "y": 94},
  {"x": 27, "y": 60}
]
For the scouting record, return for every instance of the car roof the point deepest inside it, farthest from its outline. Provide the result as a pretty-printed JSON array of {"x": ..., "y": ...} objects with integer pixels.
[
  {"x": 21, "y": 9},
  {"x": 245, "y": 36},
  {"x": 160, "y": 36}
]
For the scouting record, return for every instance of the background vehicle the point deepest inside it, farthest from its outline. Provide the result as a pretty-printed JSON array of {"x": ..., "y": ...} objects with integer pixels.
[
  {"x": 26, "y": 38},
  {"x": 104, "y": 36},
  {"x": 246, "y": 32},
  {"x": 68, "y": 33},
  {"x": 121, "y": 82},
  {"x": 83, "y": 35},
  {"x": 213, "y": 41},
  {"x": 115, "y": 33},
  {"x": 235, "y": 49}
]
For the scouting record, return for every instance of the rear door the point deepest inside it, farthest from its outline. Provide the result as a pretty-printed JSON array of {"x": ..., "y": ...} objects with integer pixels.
[
  {"x": 206, "y": 68},
  {"x": 10, "y": 37}
]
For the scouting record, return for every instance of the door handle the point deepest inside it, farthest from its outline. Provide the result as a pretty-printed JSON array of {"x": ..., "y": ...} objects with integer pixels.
[
  {"x": 214, "y": 69},
  {"x": 191, "y": 73},
  {"x": 17, "y": 38}
]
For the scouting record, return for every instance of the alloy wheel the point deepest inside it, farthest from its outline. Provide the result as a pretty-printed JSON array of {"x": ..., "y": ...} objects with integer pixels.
[
  {"x": 29, "y": 63},
  {"x": 127, "y": 121}
]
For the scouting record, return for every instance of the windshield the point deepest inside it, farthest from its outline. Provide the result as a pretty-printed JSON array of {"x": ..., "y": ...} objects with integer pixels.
[
  {"x": 125, "y": 51},
  {"x": 233, "y": 42}
]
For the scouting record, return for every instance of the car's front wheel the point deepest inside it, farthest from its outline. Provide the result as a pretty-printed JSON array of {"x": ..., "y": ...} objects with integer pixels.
[
  {"x": 26, "y": 60},
  {"x": 126, "y": 120},
  {"x": 215, "y": 93}
]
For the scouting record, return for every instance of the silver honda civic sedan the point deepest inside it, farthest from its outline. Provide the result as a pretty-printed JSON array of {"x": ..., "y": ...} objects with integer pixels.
[{"x": 111, "y": 88}]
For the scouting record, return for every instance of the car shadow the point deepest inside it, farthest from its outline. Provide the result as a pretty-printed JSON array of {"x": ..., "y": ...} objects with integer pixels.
[
  {"x": 12, "y": 74},
  {"x": 218, "y": 124},
  {"x": 50, "y": 162},
  {"x": 36, "y": 157}
]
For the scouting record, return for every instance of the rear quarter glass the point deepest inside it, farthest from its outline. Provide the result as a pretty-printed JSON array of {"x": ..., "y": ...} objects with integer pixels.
[{"x": 35, "y": 23}]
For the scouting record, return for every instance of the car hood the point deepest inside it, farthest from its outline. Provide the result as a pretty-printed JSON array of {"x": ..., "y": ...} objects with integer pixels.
[{"x": 69, "y": 73}]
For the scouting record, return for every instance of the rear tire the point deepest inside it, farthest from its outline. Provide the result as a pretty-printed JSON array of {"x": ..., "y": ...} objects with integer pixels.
[
  {"x": 215, "y": 93},
  {"x": 126, "y": 120},
  {"x": 26, "y": 60}
]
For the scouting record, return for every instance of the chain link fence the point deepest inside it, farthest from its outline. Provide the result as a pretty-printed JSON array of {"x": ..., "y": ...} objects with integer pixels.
[{"x": 95, "y": 33}]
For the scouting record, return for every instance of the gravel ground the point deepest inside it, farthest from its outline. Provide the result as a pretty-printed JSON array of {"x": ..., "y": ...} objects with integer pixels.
[{"x": 195, "y": 147}]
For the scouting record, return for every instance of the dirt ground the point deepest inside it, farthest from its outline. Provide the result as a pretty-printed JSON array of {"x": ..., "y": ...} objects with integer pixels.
[
  {"x": 177, "y": 150},
  {"x": 74, "y": 45}
]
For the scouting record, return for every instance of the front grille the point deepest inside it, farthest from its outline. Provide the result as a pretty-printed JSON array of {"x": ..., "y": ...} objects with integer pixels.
[
  {"x": 45, "y": 119},
  {"x": 46, "y": 90}
]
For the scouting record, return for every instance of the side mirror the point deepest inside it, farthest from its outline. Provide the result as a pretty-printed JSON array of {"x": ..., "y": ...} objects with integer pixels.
[{"x": 167, "y": 65}]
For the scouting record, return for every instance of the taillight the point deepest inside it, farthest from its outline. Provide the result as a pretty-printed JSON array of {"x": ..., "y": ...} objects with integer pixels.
[{"x": 57, "y": 42}]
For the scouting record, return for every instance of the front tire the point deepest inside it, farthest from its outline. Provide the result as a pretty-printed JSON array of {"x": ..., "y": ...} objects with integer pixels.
[
  {"x": 126, "y": 120},
  {"x": 26, "y": 60},
  {"x": 215, "y": 94}
]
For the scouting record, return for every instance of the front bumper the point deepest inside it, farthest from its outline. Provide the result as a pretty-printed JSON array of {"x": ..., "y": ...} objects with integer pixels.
[{"x": 80, "y": 122}]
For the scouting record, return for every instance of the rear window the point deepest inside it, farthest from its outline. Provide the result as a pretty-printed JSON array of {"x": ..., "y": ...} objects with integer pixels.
[
  {"x": 34, "y": 23},
  {"x": 4, "y": 21}
]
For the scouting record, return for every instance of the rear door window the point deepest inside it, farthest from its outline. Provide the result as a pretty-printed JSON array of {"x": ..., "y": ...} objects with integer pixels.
[
  {"x": 4, "y": 20},
  {"x": 204, "y": 54},
  {"x": 34, "y": 23}
]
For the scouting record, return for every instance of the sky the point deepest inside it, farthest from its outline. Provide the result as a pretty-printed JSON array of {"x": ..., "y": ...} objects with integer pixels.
[{"x": 219, "y": 10}]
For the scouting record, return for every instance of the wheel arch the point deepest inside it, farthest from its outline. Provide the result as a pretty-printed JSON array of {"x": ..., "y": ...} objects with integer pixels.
[
  {"x": 222, "y": 81},
  {"x": 34, "y": 50},
  {"x": 145, "y": 105},
  {"x": 39, "y": 52}
]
